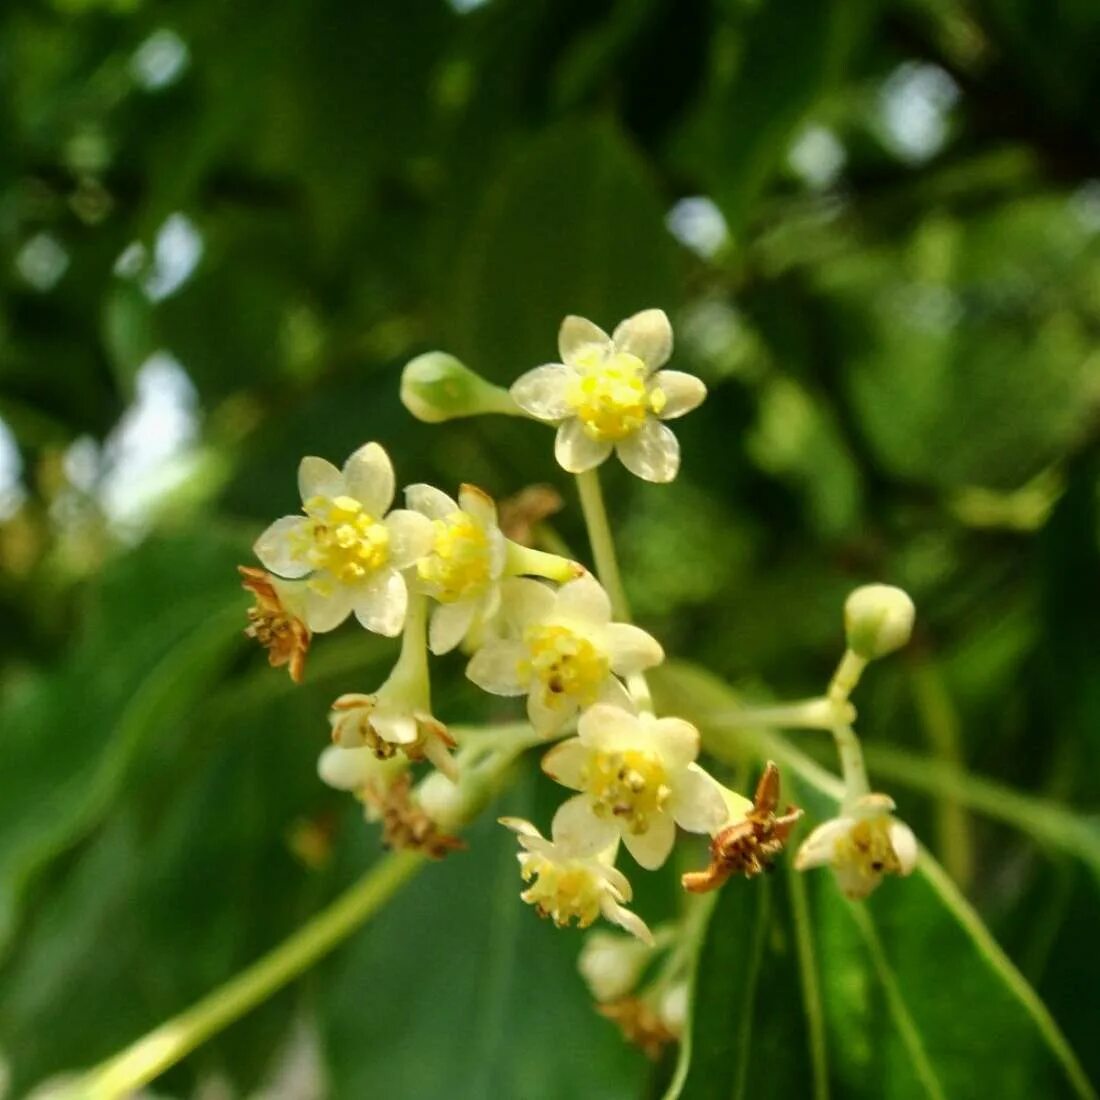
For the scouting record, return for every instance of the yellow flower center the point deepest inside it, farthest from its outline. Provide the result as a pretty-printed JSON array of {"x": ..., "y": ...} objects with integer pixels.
[
  {"x": 609, "y": 396},
  {"x": 866, "y": 849},
  {"x": 630, "y": 785},
  {"x": 564, "y": 663},
  {"x": 458, "y": 565},
  {"x": 341, "y": 539},
  {"x": 562, "y": 891}
]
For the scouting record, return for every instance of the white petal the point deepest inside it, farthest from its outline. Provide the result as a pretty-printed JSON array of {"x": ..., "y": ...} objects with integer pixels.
[
  {"x": 607, "y": 727},
  {"x": 498, "y": 553},
  {"x": 819, "y": 847},
  {"x": 631, "y": 649},
  {"x": 651, "y": 453},
  {"x": 542, "y": 391},
  {"x": 548, "y": 712},
  {"x": 677, "y": 741},
  {"x": 368, "y": 474},
  {"x": 477, "y": 504},
  {"x": 612, "y": 693},
  {"x": 652, "y": 847},
  {"x": 624, "y": 918},
  {"x": 682, "y": 393},
  {"x": 697, "y": 803},
  {"x": 904, "y": 844},
  {"x": 583, "y": 599},
  {"x": 429, "y": 501},
  {"x": 327, "y": 612},
  {"x": 495, "y": 668},
  {"x": 578, "y": 334},
  {"x": 519, "y": 825},
  {"x": 526, "y": 601},
  {"x": 380, "y": 606},
  {"x": 393, "y": 726},
  {"x": 648, "y": 335},
  {"x": 565, "y": 763},
  {"x": 319, "y": 478},
  {"x": 410, "y": 537},
  {"x": 450, "y": 623},
  {"x": 576, "y": 451},
  {"x": 345, "y": 769},
  {"x": 578, "y": 831},
  {"x": 273, "y": 548}
]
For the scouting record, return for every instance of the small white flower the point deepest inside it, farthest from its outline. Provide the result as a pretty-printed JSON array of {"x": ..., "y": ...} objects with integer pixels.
[
  {"x": 638, "y": 778},
  {"x": 611, "y": 964},
  {"x": 861, "y": 846},
  {"x": 350, "y": 550},
  {"x": 356, "y": 769},
  {"x": 387, "y": 722},
  {"x": 463, "y": 568},
  {"x": 609, "y": 392},
  {"x": 562, "y": 651},
  {"x": 568, "y": 886}
]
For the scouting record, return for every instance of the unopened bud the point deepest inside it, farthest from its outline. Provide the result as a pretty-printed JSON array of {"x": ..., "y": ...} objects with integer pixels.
[
  {"x": 437, "y": 387},
  {"x": 612, "y": 965},
  {"x": 878, "y": 619}
]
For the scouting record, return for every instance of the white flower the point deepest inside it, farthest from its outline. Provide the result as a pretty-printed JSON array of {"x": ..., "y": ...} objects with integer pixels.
[
  {"x": 563, "y": 651},
  {"x": 388, "y": 721},
  {"x": 861, "y": 846},
  {"x": 350, "y": 550},
  {"x": 356, "y": 769},
  {"x": 612, "y": 965},
  {"x": 607, "y": 393},
  {"x": 462, "y": 570},
  {"x": 638, "y": 778},
  {"x": 568, "y": 886}
]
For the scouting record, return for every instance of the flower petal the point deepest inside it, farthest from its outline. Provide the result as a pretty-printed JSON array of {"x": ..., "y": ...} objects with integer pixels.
[
  {"x": 677, "y": 741},
  {"x": 614, "y": 694},
  {"x": 326, "y": 611},
  {"x": 682, "y": 393},
  {"x": 479, "y": 505},
  {"x": 565, "y": 763},
  {"x": 429, "y": 501},
  {"x": 697, "y": 803},
  {"x": 526, "y": 601},
  {"x": 625, "y": 919},
  {"x": 576, "y": 451},
  {"x": 904, "y": 844},
  {"x": 583, "y": 599},
  {"x": 542, "y": 391},
  {"x": 368, "y": 474},
  {"x": 548, "y": 712},
  {"x": 607, "y": 727},
  {"x": 317, "y": 477},
  {"x": 345, "y": 769},
  {"x": 495, "y": 668},
  {"x": 631, "y": 649},
  {"x": 274, "y": 548},
  {"x": 578, "y": 831},
  {"x": 410, "y": 537},
  {"x": 652, "y": 847},
  {"x": 578, "y": 334},
  {"x": 519, "y": 825},
  {"x": 819, "y": 847},
  {"x": 380, "y": 606},
  {"x": 394, "y": 726},
  {"x": 450, "y": 624},
  {"x": 648, "y": 335},
  {"x": 651, "y": 453}
]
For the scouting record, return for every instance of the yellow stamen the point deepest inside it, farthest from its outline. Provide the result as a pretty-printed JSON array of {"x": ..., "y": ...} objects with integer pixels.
[
  {"x": 609, "y": 396},
  {"x": 563, "y": 892},
  {"x": 341, "y": 539},
  {"x": 458, "y": 566},
  {"x": 866, "y": 849},
  {"x": 565, "y": 663},
  {"x": 630, "y": 785}
]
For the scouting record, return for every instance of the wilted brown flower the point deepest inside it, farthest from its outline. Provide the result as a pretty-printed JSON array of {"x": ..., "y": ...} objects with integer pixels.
[
  {"x": 640, "y": 1023},
  {"x": 522, "y": 513},
  {"x": 285, "y": 637},
  {"x": 747, "y": 846},
  {"x": 404, "y": 824}
]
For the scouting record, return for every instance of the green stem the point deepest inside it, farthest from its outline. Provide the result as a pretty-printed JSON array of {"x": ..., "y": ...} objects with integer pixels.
[
  {"x": 163, "y": 1047},
  {"x": 809, "y": 714},
  {"x": 852, "y": 767},
  {"x": 846, "y": 676},
  {"x": 603, "y": 545},
  {"x": 526, "y": 561}
]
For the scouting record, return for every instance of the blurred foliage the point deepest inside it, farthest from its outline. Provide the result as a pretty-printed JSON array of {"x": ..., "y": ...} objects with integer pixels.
[{"x": 877, "y": 229}]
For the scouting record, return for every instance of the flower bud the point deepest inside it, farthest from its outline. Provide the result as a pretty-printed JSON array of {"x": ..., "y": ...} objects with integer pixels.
[
  {"x": 612, "y": 965},
  {"x": 437, "y": 387},
  {"x": 878, "y": 619}
]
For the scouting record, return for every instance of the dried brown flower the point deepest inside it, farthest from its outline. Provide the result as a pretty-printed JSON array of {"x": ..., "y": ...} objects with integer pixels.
[
  {"x": 522, "y": 513},
  {"x": 640, "y": 1024},
  {"x": 404, "y": 824},
  {"x": 285, "y": 637}
]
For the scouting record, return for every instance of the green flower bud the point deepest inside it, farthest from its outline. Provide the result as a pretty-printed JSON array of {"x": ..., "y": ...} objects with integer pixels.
[
  {"x": 878, "y": 619},
  {"x": 437, "y": 387}
]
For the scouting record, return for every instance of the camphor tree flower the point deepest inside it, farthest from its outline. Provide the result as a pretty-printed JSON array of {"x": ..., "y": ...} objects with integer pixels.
[
  {"x": 862, "y": 845},
  {"x": 276, "y": 619},
  {"x": 463, "y": 568},
  {"x": 348, "y": 548},
  {"x": 638, "y": 778},
  {"x": 567, "y": 885},
  {"x": 563, "y": 651},
  {"x": 609, "y": 393}
]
